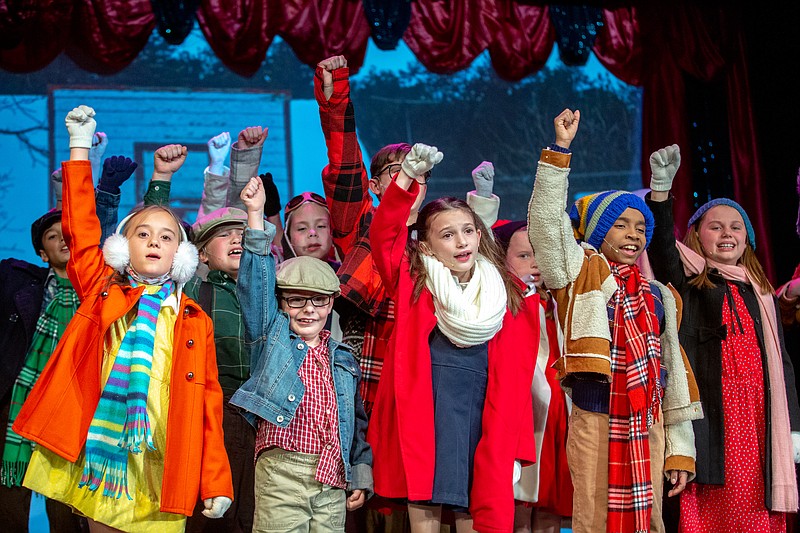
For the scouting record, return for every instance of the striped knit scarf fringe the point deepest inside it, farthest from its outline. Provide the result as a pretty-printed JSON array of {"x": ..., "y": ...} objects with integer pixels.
[
  {"x": 634, "y": 402},
  {"x": 49, "y": 328},
  {"x": 120, "y": 423}
]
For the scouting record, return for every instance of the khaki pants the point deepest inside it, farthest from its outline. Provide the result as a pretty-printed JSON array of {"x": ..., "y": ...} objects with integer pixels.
[
  {"x": 290, "y": 500},
  {"x": 587, "y": 453}
]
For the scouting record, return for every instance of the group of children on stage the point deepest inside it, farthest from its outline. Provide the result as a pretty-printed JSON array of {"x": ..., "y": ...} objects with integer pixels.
[{"x": 345, "y": 364}]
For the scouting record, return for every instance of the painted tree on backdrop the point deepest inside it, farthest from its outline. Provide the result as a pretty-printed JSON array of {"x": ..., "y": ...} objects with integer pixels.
[{"x": 474, "y": 115}]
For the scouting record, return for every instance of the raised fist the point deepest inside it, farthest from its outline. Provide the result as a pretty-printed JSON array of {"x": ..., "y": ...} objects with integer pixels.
[
  {"x": 421, "y": 159},
  {"x": 80, "y": 125},
  {"x": 483, "y": 178},
  {"x": 664, "y": 164}
]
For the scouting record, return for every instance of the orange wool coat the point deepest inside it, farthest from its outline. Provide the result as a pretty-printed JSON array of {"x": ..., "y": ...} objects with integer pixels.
[{"x": 59, "y": 409}]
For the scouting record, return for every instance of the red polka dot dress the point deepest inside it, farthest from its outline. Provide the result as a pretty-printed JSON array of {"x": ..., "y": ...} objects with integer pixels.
[{"x": 737, "y": 506}]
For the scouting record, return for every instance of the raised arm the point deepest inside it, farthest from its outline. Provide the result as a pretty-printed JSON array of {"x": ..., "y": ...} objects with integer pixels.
[
  {"x": 485, "y": 204},
  {"x": 344, "y": 178},
  {"x": 245, "y": 160},
  {"x": 664, "y": 256},
  {"x": 86, "y": 267},
  {"x": 117, "y": 170},
  {"x": 216, "y": 175},
  {"x": 389, "y": 232},
  {"x": 559, "y": 256},
  {"x": 166, "y": 162},
  {"x": 255, "y": 285}
]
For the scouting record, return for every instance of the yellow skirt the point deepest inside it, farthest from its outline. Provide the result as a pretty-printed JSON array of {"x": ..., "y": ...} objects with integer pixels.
[{"x": 58, "y": 479}]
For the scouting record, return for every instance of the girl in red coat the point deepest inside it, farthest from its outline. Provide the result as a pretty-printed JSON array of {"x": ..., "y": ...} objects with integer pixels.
[
  {"x": 453, "y": 408},
  {"x": 544, "y": 490}
]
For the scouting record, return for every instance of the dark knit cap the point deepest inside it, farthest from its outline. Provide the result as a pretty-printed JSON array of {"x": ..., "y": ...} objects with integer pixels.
[
  {"x": 42, "y": 224},
  {"x": 751, "y": 235},
  {"x": 593, "y": 215}
]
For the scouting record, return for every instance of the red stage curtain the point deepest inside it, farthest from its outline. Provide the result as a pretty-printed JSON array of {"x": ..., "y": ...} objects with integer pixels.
[{"x": 646, "y": 46}]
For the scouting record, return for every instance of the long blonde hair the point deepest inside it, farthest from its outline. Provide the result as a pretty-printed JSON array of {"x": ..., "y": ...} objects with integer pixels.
[
  {"x": 487, "y": 247},
  {"x": 748, "y": 260}
]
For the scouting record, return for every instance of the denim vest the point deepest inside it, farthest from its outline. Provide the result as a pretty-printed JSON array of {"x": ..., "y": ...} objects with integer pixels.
[{"x": 274, "y": 389}]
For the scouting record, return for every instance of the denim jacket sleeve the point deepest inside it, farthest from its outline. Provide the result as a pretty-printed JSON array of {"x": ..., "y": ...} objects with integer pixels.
[
  {"x": 107, "y": 206},
  {"x": 255, "y": 285},
  {"x": 360, "y": 451}
]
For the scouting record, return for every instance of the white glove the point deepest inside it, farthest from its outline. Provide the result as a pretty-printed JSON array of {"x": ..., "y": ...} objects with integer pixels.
[
  {"x": 215, "y": 507},
  {"x": 219, "y": 147},
  {"x": 80, "y": 126},
  {"x": 664, "y": 164},
  {"x": 483, "y": 178},
  {"x": 796, "y": 444},
  {"x": 421, "y": 159},
  {"x": 517, "y": 472}
]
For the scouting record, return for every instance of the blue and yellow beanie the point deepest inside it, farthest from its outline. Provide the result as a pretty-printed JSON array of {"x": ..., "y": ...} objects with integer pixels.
[
  {"x": 751, "y": 235},
  {"x": 594, "y": 214}
]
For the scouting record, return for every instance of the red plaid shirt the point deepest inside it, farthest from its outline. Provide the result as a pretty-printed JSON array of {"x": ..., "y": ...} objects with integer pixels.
[
  {"x": 346, "y": 184},
  {"x": 315, "y": 426}
]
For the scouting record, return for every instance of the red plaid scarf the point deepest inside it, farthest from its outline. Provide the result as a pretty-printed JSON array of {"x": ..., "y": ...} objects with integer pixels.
[{"x": 634, "y": 402}]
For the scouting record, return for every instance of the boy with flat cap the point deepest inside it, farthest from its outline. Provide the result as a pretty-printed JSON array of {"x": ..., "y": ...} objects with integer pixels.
[{"x": 313, "y": 461}]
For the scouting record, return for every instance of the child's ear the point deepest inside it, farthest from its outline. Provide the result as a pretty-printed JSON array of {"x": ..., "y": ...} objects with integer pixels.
[
  {"x": 203, "y": 256},
  {"x": 375, "y": 187},
  {"x": 43, "y": 256},
  {"x": 424, "y": 248}
]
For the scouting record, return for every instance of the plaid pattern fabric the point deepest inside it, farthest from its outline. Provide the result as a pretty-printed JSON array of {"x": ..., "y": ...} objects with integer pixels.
[
  {"x": 634, "y": 402},
  {"x": 62, "y": 304},
  {"x": 315, "y": 426},
  {"x": 346, "y": 186},
  {"x": 233, "y": 357}
]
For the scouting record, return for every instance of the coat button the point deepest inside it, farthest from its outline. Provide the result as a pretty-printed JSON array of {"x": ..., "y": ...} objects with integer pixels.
[
  {"x": 290, "y": 397},
  {"x": 279, "y": 418},
  {"x": 104, "y": 294},
  {"x": 190, "y": 343},
  {"x": 13, "y": 317},
  {"x": 189, "y": 376},
  {"x": 300, "y": 346}
]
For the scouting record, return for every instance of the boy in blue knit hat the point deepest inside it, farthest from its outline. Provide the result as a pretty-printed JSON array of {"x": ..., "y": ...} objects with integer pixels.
[{"x": 620, "y": 344}]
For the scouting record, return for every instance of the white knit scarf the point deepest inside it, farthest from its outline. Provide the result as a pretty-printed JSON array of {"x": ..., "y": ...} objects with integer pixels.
[{"x": 471, "y": 315}]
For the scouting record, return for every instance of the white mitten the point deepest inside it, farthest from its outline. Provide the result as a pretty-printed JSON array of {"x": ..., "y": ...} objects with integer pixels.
[
  {"x": 664, "y": 164},
  {"x": 796, "y": 445},
  {"x": 215, "y": 507},
  {"x": 218, "y": 148},
  {"x": 517, "y": 472},
  {"x": 80, "y": 126},
  {"x": 421, "y": 159},
  {"x": 483, "y": 178}
]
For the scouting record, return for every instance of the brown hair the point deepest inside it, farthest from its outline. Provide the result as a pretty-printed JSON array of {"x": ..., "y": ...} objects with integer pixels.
[
  {"x": 748, "y": 260},
  {"x": 390, "y": 152},
  {"x": 487, "y": 247}
]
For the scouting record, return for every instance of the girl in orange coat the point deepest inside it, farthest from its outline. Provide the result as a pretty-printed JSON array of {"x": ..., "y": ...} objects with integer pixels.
[{"x": 129, "y": 402}]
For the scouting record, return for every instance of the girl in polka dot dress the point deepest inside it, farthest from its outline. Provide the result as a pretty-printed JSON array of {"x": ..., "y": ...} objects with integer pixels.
[{"x": 748, "y": 442}]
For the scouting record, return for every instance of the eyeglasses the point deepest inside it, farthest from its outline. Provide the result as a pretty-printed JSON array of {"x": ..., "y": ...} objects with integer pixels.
[
  {"x": 303, "y": 198},
  {"x": 298, "y": 302},
  {"x": 394, "y": 170}
]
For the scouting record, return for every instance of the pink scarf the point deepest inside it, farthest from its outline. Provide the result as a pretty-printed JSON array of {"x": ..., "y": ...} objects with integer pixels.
[{"x": 784, "y": 483}]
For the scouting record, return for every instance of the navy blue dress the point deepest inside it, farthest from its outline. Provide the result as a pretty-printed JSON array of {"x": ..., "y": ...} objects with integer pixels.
[{"x": 460, "y": 376}]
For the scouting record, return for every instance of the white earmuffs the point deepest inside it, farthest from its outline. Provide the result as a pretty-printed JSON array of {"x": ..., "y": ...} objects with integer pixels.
[{"x": 117, "y": 254}]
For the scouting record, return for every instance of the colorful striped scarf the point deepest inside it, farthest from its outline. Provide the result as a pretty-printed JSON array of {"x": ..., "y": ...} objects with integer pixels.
[
  {"x": 49, "y": 328},
  {"x": 120, "y": 423},
  {"x": 634, "y": 403}
]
